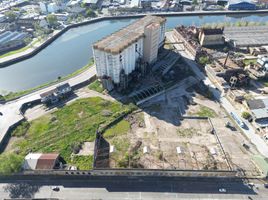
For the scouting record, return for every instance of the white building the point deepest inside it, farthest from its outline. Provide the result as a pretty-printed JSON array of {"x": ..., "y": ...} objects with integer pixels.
[
  {"x": 2, "y": 18},
  {"x": 43, "y": 7},
  {"x": 119, "y": 53},
  {"x": 52, "y": 8}
]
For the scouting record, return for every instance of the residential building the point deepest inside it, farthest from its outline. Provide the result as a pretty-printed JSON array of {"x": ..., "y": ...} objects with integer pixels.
[
  {"x": 135, "y": 46},
  {"x": 40, "y": 161},
  {"x": 92, "y": 2},
  {"x": 43, "y": 7},
  {"x": 259, "y": 111},
  {"x": 52, "y": 8},
  {"x": 54, "y": 95},
  {"x": 2, "y": 18}
]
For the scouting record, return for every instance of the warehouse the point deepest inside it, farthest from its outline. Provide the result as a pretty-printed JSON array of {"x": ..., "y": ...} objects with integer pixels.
[
  {"x": 132, "y": 48},
  {"x": 241, "y": 5},
  {"x": 246, "y": 36}
]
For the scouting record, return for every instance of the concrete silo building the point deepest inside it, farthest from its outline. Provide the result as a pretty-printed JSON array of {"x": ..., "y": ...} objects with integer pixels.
[{"x": 133, "y": 48}]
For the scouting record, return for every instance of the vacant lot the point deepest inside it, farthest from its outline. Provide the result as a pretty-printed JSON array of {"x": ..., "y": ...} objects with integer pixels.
[{"x": 66, "y": 129}]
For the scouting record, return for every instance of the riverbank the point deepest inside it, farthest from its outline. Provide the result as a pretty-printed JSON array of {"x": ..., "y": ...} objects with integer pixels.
[
  {"x": 14, "y": 95},
  {"x": 15, "y": 58}
]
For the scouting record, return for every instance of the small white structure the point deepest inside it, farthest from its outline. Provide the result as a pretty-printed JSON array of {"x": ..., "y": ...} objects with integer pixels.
[
  {"x": 179, "y": 150},
  {"x": 30, "y": 161},
  {"x": 213, "y": 151},
  {"x": 112, "y": 149},
  {"x": 43, "y": 7},
  {"x": 145, "y": 150},
  {"x": 52, "y": 8}
]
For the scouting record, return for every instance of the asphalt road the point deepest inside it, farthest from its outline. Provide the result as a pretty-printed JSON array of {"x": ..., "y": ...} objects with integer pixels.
[{"x": 132, "y": 188}]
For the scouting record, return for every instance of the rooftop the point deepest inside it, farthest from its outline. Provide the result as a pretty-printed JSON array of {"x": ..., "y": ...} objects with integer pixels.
[
  {"x": 121, "y": 39},
  {"x": 212, "y": 31},
  {"x": 259, "y": 108},
  {"x": 247, "y": 35},
  {"x": 47, "y": 161}
]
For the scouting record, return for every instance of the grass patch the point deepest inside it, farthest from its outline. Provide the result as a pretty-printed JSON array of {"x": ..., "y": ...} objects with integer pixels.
[
  {"x": 21, "y": 130},
  {"x": 188, "y": 132},
  {"x": 74, "y": 123},
  {"x": 120, "y": 128},
  {"x": 83, "y": 162},
  {"x": 249, "y": 61},
  {"x": 206, "y": 112},
  {"x": 14, "y": 95},
  {"x": 121, "y": 144},
  {"x": 96, "y": 86},
  {"x": 10, "y": 163}
]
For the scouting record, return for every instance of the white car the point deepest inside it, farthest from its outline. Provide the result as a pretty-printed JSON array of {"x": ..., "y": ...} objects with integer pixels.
[{"x": 222, "y": 190}]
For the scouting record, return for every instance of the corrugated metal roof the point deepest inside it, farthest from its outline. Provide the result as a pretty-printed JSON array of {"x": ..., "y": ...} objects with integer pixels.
[
  {"x": 260, "y": 113},
  {"x": 47, "y": 161}
]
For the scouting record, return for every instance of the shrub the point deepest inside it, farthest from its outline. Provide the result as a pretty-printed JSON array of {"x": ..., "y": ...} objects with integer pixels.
[{"x": 246, "y": 115}]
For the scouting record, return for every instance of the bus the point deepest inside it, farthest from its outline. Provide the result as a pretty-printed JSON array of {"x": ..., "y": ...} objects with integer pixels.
[{"x": 238, "y": 120}]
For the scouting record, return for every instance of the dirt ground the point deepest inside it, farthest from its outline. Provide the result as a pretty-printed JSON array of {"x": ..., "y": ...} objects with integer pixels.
[{"x": 172, "y": 143}]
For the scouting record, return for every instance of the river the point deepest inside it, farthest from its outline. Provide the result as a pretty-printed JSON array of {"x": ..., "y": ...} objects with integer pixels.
[{"x": 73, "y": 50}]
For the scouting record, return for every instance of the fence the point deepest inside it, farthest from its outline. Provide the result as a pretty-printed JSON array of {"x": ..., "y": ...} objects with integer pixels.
[{"x": 136, "y": 172}]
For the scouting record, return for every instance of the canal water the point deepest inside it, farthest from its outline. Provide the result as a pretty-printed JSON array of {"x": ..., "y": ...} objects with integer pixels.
[{"x": 73, "y": 50}]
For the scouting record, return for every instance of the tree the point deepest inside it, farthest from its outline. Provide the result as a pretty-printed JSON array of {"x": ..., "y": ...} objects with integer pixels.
[
  {"x": 203, "y": 60},
  {"x": 10, "y": 15},
  {"x": 90, "y": 13},
  {"x": 246, "y": 115},
  {"x": 10, "y": 163},
  {"x": 52, "y": 19},
  {"x": 195, "y": 2}
]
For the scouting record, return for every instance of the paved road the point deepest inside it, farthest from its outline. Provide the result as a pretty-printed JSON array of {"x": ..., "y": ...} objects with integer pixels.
[
  {"x": 250, "y": 132},
  {"x": 134, "y": 188},
  {"x": 10, "y": 110}
]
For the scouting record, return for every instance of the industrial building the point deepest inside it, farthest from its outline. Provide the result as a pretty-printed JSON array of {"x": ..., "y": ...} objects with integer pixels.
[
  {"x": 11, "y": 41},
  {"x": 211, "y": 37},
  {"x": 246, "y": 36},
  {"x": 129, "y": 50},
  {"x": 241, "y": 5}
]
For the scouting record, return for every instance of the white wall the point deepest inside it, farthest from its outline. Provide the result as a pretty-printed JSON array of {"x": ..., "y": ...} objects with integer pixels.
[{"x": 110, "y": 65}]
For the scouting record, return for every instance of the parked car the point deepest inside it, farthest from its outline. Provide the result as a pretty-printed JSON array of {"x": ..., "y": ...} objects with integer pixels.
[
  {"x": 222, "y": 190},
  {"x": 55, "y": 188},
  {"x": 246, "y": 146}
]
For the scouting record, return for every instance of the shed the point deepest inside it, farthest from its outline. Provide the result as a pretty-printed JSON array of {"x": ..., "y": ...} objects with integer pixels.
[
  {"x": 47, "y": 161},
  {"x": 39, "y": 161}
]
